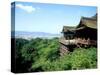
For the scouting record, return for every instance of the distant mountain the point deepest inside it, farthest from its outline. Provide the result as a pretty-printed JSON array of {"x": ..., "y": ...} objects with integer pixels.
[{"x": 29, "y": 35}]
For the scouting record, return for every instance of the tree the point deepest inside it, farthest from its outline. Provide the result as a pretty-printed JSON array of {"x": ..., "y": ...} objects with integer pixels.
[
  {"x": 18, "y": 55},
  {"x": 84, "y": 58}
]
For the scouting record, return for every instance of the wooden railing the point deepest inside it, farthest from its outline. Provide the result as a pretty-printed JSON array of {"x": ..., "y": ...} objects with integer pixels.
[
  {"x": 87, "y": 42},
  {"x": 77, "y": 41}
]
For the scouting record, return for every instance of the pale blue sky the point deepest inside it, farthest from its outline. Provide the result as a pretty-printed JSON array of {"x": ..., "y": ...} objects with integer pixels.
[{"x": 39, "y": 17}]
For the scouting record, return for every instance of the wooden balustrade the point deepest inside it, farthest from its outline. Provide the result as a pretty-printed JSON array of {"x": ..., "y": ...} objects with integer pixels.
[{"x": 78, "y": 41}]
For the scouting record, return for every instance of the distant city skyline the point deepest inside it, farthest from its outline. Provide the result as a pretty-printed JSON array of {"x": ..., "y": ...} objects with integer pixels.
[{"x": 50, "y": 18}]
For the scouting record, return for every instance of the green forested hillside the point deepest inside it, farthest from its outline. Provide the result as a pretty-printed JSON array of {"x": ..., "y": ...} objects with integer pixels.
[{"x": 43, "y": 55}]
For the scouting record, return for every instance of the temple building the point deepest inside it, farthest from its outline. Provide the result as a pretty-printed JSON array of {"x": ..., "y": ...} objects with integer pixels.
[{"x": 83, "y": 35}]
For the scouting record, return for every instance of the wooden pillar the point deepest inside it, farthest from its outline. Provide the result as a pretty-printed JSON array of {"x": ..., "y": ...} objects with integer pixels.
[{"x": 63, "y": 49}]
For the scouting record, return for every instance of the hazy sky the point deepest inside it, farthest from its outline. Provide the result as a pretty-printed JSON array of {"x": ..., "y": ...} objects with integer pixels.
[{"x": 51, "y": 18}]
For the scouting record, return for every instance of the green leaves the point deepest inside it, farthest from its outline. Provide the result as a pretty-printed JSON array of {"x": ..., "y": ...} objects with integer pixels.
[
  {"x": 43, "y": 55},
  {"x": 19, "y": 44},
  {"x": 84, "y": 58}
]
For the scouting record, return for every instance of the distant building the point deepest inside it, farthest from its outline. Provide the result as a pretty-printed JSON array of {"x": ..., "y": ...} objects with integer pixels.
[{"x": 83, "y": 35}]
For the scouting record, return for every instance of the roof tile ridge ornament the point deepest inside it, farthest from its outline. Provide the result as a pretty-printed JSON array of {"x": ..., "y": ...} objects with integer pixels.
[{"x": 89, "y": 18}]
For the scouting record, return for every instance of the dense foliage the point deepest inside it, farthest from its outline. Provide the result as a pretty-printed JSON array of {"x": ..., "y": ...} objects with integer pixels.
[{"x": 43, "y": 55}]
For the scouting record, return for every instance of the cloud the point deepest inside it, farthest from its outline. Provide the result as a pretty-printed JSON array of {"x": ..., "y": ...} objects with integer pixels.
[{"x": 28, "y": 9}]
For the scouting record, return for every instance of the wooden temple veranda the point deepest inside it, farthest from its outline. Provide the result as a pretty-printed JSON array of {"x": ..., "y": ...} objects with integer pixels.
[{"x": 83, "y": 35}]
